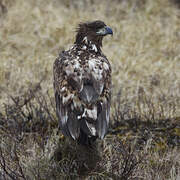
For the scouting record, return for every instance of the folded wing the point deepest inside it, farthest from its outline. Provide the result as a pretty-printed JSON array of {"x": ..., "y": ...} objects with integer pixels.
[{"x": 82, "y": 99}]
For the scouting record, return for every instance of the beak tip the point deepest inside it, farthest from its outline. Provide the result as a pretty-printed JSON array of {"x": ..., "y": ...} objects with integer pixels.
[{"x": 109, "y": 31}]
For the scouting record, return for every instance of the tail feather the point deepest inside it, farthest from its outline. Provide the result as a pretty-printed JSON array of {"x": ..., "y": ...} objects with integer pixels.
[{"x": 86, "y": 140}]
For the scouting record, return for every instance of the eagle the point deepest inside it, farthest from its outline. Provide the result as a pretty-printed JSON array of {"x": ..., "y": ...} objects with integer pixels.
[{"x": 82, "y": 85}]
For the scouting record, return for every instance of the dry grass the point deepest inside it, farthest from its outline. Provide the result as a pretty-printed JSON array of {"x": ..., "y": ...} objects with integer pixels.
[{"x": 144, "y": 138}]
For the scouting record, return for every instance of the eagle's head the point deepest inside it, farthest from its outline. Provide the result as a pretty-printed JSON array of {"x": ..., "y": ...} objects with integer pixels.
[{"x": 92, "y": 32}]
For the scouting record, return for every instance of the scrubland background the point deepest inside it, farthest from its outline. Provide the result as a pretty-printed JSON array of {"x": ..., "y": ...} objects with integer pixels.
[{"x": 144, "y": 137}]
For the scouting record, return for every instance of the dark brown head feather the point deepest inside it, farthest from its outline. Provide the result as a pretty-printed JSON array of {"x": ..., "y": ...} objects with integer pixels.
[{"x": 89, "y": 29}]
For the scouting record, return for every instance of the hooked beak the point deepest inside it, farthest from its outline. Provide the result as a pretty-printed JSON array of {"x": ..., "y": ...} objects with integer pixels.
[
  {"x": 105, "y": 31},
  {"x": 108, "y": 30}
]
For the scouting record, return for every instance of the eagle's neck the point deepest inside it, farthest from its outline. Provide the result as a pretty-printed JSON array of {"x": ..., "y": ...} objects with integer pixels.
[{"x": 87, "y": 43}]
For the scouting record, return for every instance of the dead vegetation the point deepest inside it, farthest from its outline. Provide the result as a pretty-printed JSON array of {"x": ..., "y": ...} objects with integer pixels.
[
  {"x": 135, "y": 147},
  {"x": 144, "y": 137}
]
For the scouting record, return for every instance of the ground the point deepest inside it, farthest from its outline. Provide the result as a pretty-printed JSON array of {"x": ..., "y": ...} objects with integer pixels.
[{"x": 143, "y": 141}]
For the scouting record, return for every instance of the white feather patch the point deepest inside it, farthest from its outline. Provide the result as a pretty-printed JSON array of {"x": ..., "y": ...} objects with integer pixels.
[
  {"x": 90, "y": 113},
  {"x": 84, "y": 47},
  {"x": 94, "y": 48},
  {"x": 63, "y": 89},
  {"x": 77, "y": 64},
  {"x": 69, "y": 69},
  {"x": 106, "y": 66},
  {"x": 67, "y": 98},
  {"x": 64, "y": 118},
  {"x": 85, "y": 40},
  {"x": 91, "y": 128},
  {"x": 92, "y": 64},
  {"x": 94, "y": 69}
]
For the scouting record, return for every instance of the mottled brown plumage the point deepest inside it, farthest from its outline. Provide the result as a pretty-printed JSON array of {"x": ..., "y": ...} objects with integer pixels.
[{"x": 82, "y": 85}]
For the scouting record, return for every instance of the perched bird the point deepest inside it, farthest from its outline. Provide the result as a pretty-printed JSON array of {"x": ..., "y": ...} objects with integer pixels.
[{"x": 82, "y": 85}]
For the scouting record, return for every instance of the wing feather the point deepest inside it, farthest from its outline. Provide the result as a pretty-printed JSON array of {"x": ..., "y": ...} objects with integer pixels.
[
  {"x": 62, "y": 114},
  {"x": 98, "y": 86},
  {"x": 103, "y": 119},
  {"x": 67, "y": 82},
  {"x": 73, "y": 125},
  {"x": 68, "y": 122}
]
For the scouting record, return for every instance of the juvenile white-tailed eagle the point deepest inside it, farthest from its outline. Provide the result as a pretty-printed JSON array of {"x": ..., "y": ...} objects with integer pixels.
[{"x": 82, "y": 85}]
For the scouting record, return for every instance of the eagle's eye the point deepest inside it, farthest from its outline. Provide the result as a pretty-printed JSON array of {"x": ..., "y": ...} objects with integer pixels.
[{"x": 104, "y": 31}]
